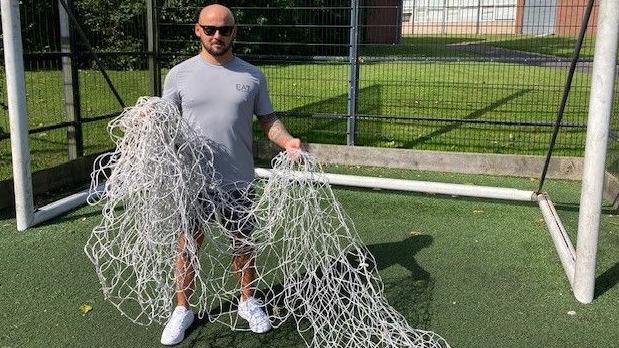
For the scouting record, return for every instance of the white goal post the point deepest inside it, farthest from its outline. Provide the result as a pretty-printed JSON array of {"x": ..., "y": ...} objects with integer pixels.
[
  {"x": 16, "y": 100},
  {"x": 598, "y": 126}
]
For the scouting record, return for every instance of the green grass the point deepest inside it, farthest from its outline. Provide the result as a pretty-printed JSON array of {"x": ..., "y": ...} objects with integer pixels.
[
  {"x": 45, "y": 106},
  {"x": 481, "y": 92},
  {"x": 439, "y": 45},
  {"x": 481, "y": 273},
  {"x": 554, "y": 45},
  {"x": 420, "y": 46}
]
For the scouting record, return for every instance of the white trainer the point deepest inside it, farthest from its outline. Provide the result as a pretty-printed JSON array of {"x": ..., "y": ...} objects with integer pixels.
[
  {"x": 174, "y": 331},
  {"x": 251, "y": 310}
]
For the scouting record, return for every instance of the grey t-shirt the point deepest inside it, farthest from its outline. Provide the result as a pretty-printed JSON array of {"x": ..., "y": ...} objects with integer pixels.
[{"x": 220, "y": 101}]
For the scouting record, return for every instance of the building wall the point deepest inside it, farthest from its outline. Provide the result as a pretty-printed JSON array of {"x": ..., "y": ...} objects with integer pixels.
[
  {"x": 458, "y": 16},
  {"x": 569, "y": 17},
  {"x": 433, "y": 17},
  {"x": 491, "y": 27},
  {"x": 519, "y": 16},
  {"x": 382, "y": 19}
]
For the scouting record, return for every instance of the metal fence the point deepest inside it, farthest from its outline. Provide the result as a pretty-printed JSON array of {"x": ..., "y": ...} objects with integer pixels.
[
  {"x": 466, "y": 75},
  {"x": 68, "y": 101}
]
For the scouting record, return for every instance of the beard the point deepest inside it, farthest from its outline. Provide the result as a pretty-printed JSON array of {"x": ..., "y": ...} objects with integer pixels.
[{"x": 218, "y": 53}]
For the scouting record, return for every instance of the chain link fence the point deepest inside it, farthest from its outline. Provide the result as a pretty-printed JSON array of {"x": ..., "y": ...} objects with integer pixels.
[{"x": 467, "y": 75}]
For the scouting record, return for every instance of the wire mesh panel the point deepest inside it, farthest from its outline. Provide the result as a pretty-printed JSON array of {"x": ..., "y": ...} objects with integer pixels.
[
  {"x": 465, "y": 75},
  {"x": 302, "y": 47},
  {"x": 44, "y": 89},
  {"x": 116, "y": 31},
  {"x": 472, "y": 75}
]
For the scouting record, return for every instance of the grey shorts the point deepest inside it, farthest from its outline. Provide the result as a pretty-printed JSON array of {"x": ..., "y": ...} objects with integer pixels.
[{"x": 234, "y": 211}]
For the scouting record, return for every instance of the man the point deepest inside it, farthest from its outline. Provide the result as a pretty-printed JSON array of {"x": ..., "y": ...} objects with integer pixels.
[{"x": 218, "y": 94}]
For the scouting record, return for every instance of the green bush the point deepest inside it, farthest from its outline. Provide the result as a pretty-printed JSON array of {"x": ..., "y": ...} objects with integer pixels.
[
  {"x": 277, "y": 28},
  {"x": 281, "y": 27}
]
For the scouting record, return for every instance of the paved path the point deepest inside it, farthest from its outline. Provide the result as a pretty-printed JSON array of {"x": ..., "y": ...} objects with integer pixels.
[{"x": 520, "y": 57}]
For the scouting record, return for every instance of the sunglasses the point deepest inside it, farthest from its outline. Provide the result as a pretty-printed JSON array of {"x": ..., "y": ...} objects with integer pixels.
[{"x": 210, "y": 30}]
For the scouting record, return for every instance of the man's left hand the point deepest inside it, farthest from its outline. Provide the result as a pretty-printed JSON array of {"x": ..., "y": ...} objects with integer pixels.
[
  {"x": 293, "y": 147},
  {"x": 293, "y": 144}
]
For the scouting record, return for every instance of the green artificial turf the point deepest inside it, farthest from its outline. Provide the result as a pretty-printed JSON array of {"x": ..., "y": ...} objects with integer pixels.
[{"x": 481, "y": 273}]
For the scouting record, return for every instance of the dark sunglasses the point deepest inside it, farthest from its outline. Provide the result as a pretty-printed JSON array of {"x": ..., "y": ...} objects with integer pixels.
[{"x": 210, "y": 30}]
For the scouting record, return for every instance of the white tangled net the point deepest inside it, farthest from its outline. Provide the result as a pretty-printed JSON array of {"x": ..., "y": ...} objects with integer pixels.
[{"x": 167, "y": 226}]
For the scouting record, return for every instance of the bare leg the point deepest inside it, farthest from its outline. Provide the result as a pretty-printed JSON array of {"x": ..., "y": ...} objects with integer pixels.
[
  {"x": 238, "y": 219},
  {"x": 244, "y": 269},
  {"x": 185, "y": 271}
]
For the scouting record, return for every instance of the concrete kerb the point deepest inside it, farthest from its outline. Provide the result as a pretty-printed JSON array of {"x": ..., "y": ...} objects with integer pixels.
[{"x": 569, "y": 168}]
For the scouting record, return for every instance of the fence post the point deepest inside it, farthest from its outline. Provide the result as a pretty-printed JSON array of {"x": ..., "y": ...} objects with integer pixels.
[
  {"x": 444, "y": 24},
  {"x": 413, "y": 25},
  {"x": 353, "y": 75},
  {"x": 478, "y": 24},
  {"x": 152, "y": 34},
  {"x": 400, "y": 10},
  {"x": 69, "y": 50}
]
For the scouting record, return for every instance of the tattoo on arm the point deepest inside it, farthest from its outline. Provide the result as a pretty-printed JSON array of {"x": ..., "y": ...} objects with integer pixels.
[{"x": 276, "y": 132}]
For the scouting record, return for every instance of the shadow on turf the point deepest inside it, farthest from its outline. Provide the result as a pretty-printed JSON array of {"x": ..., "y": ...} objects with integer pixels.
[
  {"x": 606, "y": 280},
  {"x": 477, "y": 114},
  {"x": 70, "y": 217},
  {"x": 205, "y": 334},
  {"x": 574, "y": 207},
  {"x": 7, "y": 214},
  {"x": 410, "y": 294}
]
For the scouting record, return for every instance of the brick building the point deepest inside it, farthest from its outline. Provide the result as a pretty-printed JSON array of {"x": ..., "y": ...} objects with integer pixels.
[
  {"x": 533, "y": 17},
  {"x": 558, "y": 17}
]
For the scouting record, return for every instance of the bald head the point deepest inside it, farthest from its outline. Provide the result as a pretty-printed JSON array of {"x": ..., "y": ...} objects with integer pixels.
[
  {"x": 216, "y": 15},
  {"x": 216, "y": 30}
]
